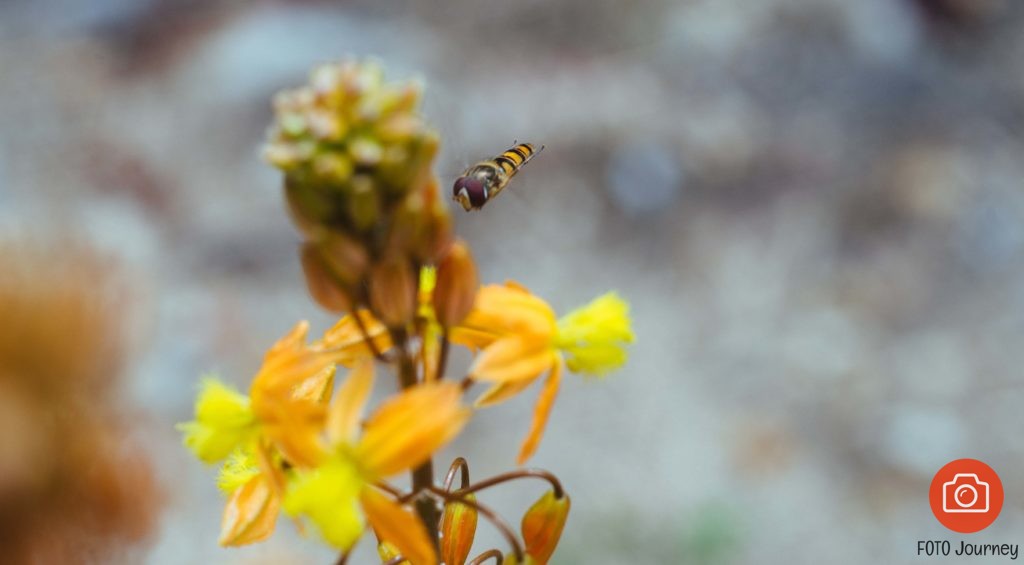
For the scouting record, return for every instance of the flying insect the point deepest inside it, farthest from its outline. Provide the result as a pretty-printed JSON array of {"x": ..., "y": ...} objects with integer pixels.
[{"x": 480, "y": 183}]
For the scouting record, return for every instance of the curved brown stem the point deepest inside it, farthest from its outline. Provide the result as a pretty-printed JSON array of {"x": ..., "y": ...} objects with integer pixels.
[
  {"x": 395, "y": 560},
  {"x": 366, "y": 337},
  {"x": 389, "y": 489},
  {"x": 457, "y": 465},
  {"x": 497, "y": 521},
  {"x": 498, "y": 557},
  {"x": 343, "y": 558},
  {"x": 556, "y": 485},
  {"x": 442, "y": 360}
]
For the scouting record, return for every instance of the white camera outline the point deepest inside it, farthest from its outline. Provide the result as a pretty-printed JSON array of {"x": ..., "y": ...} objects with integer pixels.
[{"x": 977, "y": 481}]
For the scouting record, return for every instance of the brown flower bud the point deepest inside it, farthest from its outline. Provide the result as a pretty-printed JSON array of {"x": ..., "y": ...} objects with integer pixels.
[
  {"x": 346, "y": 257},
  {"x": 308, "y": 208},
  {"x": 437, "y": 230},
  {"x": 458, "y": 528},
  {"x": 325, "y": 288},
  {"x": 393, "y": 291},
  {"x": 456, "y": 287},
  {"x": 542, "y": 525}
]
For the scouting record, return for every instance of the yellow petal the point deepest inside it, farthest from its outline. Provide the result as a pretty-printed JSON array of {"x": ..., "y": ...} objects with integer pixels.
[
  {"x": 250, "y": 513},
  {"x": 239, "y": 469},
  {"x": 347, "y": 408},
  {"x": 458, "y": 528},
  {"x": 409, "y": 427},
  {"x": 430, "y": 352},
  {"x": 513, "y": 358},
  {"x": 594, "y": 337},
  {"x": 543, "y": 524},
  {"x": 224, "y": 421},
  {"x": 501, "y": 392},
  {"x": 399, "y": 527},
  {"x": 316, "y": 388},
  {"x": 329, "y": 497},
  {"x": 541, "y": 412}
]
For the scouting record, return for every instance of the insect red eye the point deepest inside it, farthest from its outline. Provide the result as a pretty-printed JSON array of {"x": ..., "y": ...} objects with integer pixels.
[
  {"x": 475, "y": 190},
  {"x": 460, "y": 183}
]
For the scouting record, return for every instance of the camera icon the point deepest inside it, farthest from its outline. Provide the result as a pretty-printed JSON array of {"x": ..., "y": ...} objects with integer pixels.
[{"x": 966, "y": 493}]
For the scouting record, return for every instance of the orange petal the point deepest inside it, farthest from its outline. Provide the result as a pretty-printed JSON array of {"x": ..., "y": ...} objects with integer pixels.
[
  {"x": 316, "y": 388},
  {"x": 474, "y": 339},
  {"x": 288, "y": 364},
  {"x": 410, "y": 426},
  {"x": 387, "y": 552},
  {"x": 541, "y": 411},
  {"x": 250, "y": 513},
  {"x": 348, "y": 340},
  {"x": 399, "y": 527},
  {"x": 458, "y": 528},
  {"x": 513, "y": 358},
  {"x": 347, "y": 408},
  {"x": 516, "y": 285},
  {"x": 543, "y": 524},
  {"x": 512, "y": 309},
  {"x": 295, "y": 430},
  {"x": 501, "y": 392}
]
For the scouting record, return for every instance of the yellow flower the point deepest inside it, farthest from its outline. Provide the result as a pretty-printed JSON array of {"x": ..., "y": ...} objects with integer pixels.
[
  {"x": 224, "y": 420},
  {"x": 239, "y": 469},
  {"x": 282, "y": 418},
  {"x": 593, "y": 337},
  {"x": 520, "y": 340},
  {"x": 339, "y": 496},
  {"x": 251, "y": 512}
]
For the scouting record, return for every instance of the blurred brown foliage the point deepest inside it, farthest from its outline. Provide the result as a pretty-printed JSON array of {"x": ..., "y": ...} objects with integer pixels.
[{"x": 73, "y": 487}]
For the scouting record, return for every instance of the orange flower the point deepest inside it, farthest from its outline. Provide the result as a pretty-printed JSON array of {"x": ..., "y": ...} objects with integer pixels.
[
  {"x": 339, "y": 497},
  {"x": 281, "y": 419},
  {"x": 521, "y": 340},
  {"x": 293, "y": 421}
]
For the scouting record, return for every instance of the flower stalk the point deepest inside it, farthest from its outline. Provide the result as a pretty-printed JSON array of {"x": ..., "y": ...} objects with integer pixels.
[{"x": 378, "y": 250}]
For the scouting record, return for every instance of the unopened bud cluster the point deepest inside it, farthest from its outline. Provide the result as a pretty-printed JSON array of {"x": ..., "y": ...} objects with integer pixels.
[{"x": 357, "y": 160}]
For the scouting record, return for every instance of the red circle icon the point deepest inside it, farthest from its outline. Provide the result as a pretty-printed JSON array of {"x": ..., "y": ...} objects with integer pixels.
[{"x": 966, "y": 495}]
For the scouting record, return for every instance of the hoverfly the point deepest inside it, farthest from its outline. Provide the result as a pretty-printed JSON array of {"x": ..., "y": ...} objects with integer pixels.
[{"x": 484, "y": 180}]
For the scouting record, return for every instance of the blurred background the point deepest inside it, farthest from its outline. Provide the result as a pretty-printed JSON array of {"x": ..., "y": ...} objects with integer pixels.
[{"x": 814, "y": 206}]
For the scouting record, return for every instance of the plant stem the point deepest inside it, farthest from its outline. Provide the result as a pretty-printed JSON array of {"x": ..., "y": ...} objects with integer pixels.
[{"x": 422, "y": 476}]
